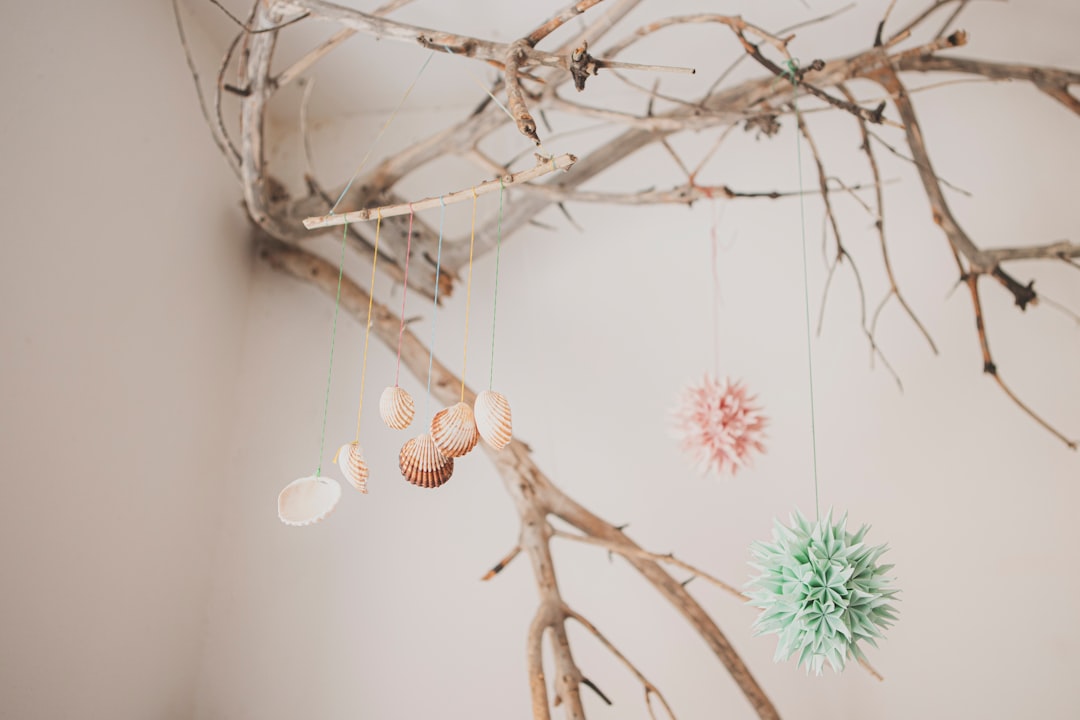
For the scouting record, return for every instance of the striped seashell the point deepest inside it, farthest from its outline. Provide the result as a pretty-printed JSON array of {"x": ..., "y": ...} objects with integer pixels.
[
  {"x": 454, "y": 430},
  {"x": 422, "y": 464},
  {"x": 350, "y": 459},
  {"x": 493, "y": 419},
  {"x": 308, "y": 500},
  {"x": 396, "y": 408}
]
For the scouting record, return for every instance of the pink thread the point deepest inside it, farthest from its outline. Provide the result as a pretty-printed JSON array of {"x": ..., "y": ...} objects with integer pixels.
[{"x": 404, "y": 293}]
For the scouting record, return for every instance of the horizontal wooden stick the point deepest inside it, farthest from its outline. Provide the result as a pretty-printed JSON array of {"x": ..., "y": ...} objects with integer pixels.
[{"x": 543, "y": 167}]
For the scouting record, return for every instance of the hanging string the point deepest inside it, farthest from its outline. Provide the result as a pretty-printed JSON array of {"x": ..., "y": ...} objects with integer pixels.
[
  {"x": 367, "y": 327},
  {"x": 791, "y": 72},
  {"x": 495, "y": 301},
  {"x": 435, "y": 306},
  {"x": 404, "y": 294},
  {"x": 378, "y": 137},
  {"x": 715, "y": 291},
  {"x": 468, "y": 296},
  {"x": 333, "y": 338}
]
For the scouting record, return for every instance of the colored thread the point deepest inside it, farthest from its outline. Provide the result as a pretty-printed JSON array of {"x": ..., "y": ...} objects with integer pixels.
[
  {"x": 435, "y": 305},
  {"x": 367, "y": 328},
  {"x": 791, "y": 71},
  {"x": 468, "y": 296},
  {"x": 495, "y": 300},
  {"x": 333, "y": 338},
  {"x": 404, "y": 294},
  {"x": 378, "y": 137},
  {"x": 483, "y": 87},
  {"x": 715, "y": 293}
]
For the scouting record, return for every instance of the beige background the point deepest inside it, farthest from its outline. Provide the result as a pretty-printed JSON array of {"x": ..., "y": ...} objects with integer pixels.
[{"x": 159, "y": 387}]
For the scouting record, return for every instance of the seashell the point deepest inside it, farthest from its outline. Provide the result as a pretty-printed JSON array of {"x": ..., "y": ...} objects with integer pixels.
[
  {"x": 308, "y": 500},
  {"x": 493, "y": 418},
  {"x": 422, "y": 464},
  {"x": 350, "y": 458},
  {"x": 454, "y": 430},
  {"x": 396, "y": 408}
]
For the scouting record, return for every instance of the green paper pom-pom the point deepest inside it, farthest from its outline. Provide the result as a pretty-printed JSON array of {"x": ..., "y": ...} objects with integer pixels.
[{"x": 821, "y": 591}]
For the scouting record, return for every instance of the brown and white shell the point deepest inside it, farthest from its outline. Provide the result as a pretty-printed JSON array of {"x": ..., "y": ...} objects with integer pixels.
[
  {"x": 308, "y": 500},
  {"x": 454, "y": 430},
  {"x": 493, "y": 421},
  {"x": 350, "y": 459},
  {"x": 422, "y": 464},
  {"x": 396, "y": 408}
]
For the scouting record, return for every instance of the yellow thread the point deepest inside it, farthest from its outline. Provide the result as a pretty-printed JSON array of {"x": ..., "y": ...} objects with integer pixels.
[
  {"x": 468, "y": 296},
  {"x": 367, "y": 328}
]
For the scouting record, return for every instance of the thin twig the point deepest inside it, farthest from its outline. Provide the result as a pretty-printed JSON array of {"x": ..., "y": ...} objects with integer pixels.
[
  {"x": 501, "y": 565},
  {"x": 879, "y": 224},
  {"x": 660, "y": 557},
  {"x": 230, "y": 154},
  {"x": 990, "y": 367},
  {"x": 650, "y": 689},
  {"x": 247, "y": 28},
  {"x": 543, "y": 167}
]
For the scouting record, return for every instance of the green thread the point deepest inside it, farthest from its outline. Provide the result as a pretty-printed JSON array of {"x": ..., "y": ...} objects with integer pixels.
[
  {"x": 333, "y": 338},
  {"x": 791, "y": 72},
  {"x": 435, "y": 306},
  {"x": 495, "y": 301}
]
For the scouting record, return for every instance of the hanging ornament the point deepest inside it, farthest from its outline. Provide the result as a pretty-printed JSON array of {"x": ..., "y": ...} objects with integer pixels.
[
  {"x": 350, "y": 458},
  {"x": 453, "y": 430},
  {"x": 493, "y": 421},
  {"x": 821, "y": 591},
  {"x": 396, "y": 408},
  {"x": 308, "y": 500},
  {"x": 718, "y": 425},
  {"x": 422, "y": 464}
]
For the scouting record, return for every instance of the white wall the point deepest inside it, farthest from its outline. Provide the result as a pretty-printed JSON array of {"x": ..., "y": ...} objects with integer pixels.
[
  {"x": 150, "y": 419},
  {"x": 379, "y": 612},
  {"x": 123, "y": 286}
]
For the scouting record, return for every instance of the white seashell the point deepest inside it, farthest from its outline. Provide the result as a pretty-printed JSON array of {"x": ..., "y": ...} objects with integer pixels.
[
  {"x": 308, "y": 500},
  {"x": 396, "y": 408},
  {"x": 422, "y": 464},
  {"x": 350, "y": 459},
  {"x": 493, "y": 419},
  {"x": 454, "y": 430}
]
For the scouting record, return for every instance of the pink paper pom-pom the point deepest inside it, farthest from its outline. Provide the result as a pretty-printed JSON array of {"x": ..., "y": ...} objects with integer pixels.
[{"x": 718, "y": 424}]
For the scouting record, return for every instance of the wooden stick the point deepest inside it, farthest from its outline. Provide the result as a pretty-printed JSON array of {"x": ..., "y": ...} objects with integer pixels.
[{"x": 543, "y": 167}]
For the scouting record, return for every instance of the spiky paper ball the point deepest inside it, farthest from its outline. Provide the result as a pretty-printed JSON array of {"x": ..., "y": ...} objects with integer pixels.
[
  {"x": 821, "y": 591},
  {"x": 718, "y": 424}
]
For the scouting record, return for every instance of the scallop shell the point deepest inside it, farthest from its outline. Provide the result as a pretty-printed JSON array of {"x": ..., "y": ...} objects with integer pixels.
[
  {"x": 396, "y": 408},
  {"x": 422, "y": 464},
  {"x": 493, "y": 419},
  {"x": 454, "y": 430},
  {"x": 308, "y": 500},
  {"x": 350, "y": 459}
]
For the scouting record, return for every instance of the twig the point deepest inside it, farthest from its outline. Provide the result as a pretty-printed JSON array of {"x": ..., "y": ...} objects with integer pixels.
[
  {"x": 990, "y": 368},
  {"x": 515, "y": 97},
  {"x": 230, "y": 154},
  {"x": 841, "y": 253},
  {"x": 501, "y": 565},
  {"x": 251, "y": 30},
  {"x": 650, "y": 689},
  {"x": 543, "y": 167},
  {"x": 558, "y": 20},
  {"x": 669, "y": 558},
  {"x": 879, "y": 224},
  {"x": 294, "y": 71}
]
